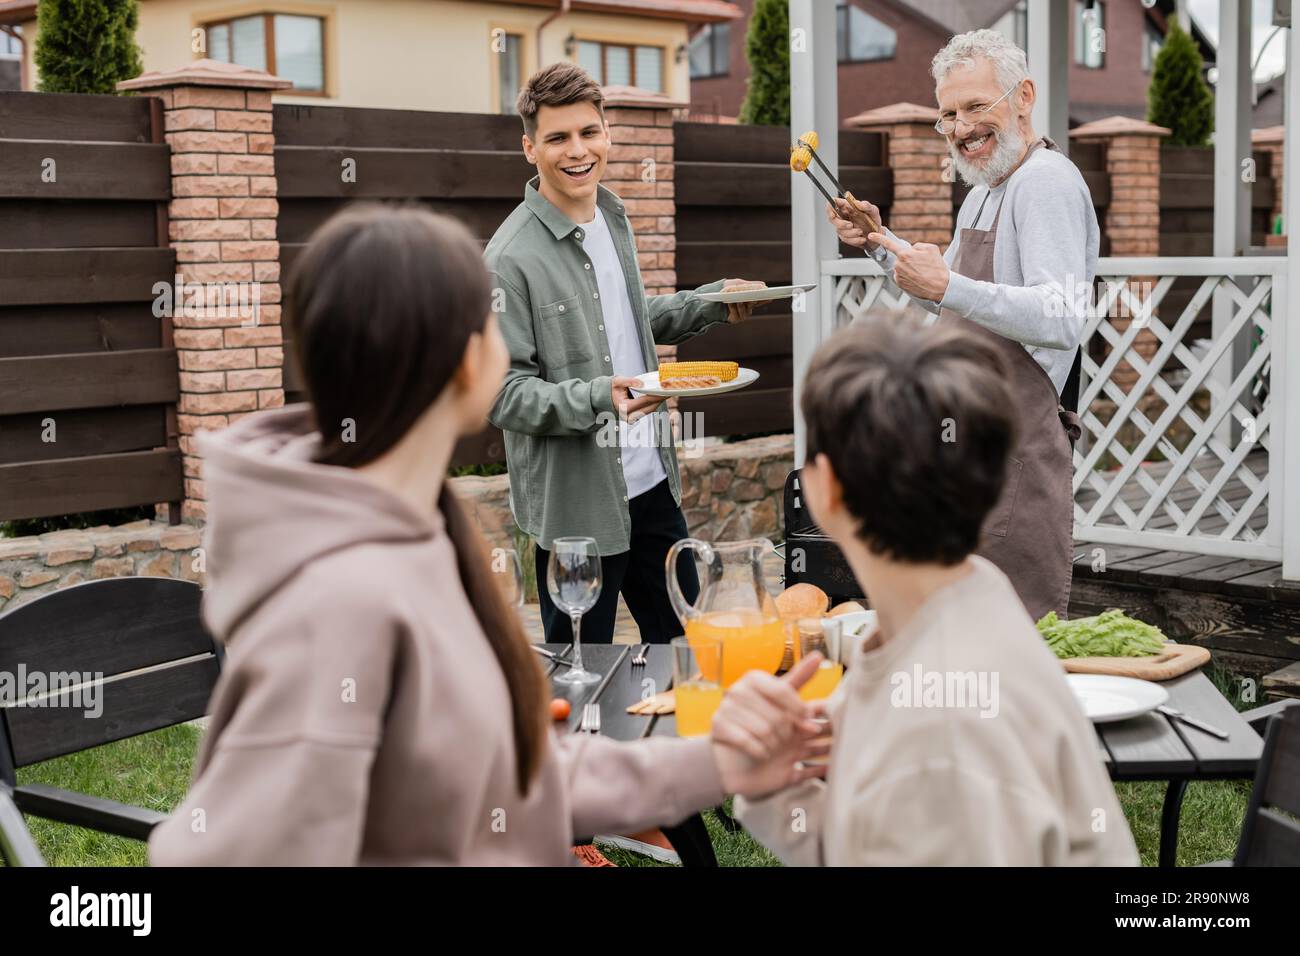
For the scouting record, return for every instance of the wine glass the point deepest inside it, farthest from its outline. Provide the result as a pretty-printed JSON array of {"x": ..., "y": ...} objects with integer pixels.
[{"x": 573, "y": 581}]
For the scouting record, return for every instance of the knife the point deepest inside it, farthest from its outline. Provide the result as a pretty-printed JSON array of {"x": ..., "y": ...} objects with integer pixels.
[
  {"x": 551, "y": 656},
  {"x": 1192, "y": 722}
]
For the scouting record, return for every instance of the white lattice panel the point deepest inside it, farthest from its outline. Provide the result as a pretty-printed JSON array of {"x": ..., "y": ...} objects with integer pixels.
[{"x": 1177, "y": 434}]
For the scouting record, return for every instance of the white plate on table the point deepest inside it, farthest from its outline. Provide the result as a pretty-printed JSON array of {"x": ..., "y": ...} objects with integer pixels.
[
  {"x": 650, "y": 385},
  {"x": 1105, "y": 698},
  {"x": 758, "y": 295}
]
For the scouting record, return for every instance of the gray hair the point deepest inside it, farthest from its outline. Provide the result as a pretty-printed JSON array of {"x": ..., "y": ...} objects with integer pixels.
[{"x": 962, "y": 50}]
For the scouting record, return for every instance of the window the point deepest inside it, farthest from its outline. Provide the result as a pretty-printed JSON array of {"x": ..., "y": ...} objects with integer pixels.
[
  {"x": 709, "y": 51},
  {"x": 509, "y": 68},
  {"x": 860, "y": 36},
  {"x": 10, "y": 48},
  {"x": 288, "y": 45},
  {"x": 617, "y": 64},
  {"x": 1151, "y": 46},
  {"x": 1089, "y": 34}
]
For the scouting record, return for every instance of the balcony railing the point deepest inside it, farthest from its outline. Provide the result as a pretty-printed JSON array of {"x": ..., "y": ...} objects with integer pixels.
[{"x": 1183, "y": 398}]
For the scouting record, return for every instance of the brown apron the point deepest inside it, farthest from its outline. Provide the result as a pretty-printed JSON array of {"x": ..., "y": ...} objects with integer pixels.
[{"x": 1029, "y": 533}]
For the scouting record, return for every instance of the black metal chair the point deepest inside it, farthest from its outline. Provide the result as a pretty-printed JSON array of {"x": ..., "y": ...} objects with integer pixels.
[
  {"x": 140, "y": 646},
  {"x": 1270, "y": 835},
  {"x": 16, "y": 845}
]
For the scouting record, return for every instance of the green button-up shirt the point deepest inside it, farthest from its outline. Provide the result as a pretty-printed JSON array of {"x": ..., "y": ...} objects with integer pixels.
[{"x": 556, "y": 407}]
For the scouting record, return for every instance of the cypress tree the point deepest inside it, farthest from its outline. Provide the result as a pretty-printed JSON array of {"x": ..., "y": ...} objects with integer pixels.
[
  {"x": 767, "y": 49},
  {"x": 1178, "y": 97},
  {"x": 86, "y": 46}
]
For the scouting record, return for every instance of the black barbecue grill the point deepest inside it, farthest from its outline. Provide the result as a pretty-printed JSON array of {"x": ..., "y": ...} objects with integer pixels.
[{"x": 811, "y": 557}]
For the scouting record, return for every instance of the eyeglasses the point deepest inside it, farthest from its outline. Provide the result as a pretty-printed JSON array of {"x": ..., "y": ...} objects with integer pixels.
[{"x": 945, "y": 126}]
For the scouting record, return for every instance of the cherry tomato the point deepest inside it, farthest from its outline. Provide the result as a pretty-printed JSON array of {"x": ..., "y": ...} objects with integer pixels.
[{"x": 560, "y": 709}]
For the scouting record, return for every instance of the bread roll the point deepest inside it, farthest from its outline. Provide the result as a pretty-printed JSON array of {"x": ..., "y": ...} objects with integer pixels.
[
  {"x": 848, "y": 607},
  {"x": 802, "y": 600}
]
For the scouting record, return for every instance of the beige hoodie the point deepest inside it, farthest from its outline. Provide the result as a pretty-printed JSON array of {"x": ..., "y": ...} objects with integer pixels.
[
  {"x": 995, "y": 766},
  {"x": 362, "y": 717}
]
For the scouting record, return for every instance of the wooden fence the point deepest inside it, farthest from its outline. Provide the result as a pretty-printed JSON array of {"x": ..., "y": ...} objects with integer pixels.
[
  {"x": 88, "y": 376},
  {"x": 733, "y": 221},
  {"x": 733, "y": 216},
  {"x": 466, "y": 165},
  {"x": 1187, "y": 219}
]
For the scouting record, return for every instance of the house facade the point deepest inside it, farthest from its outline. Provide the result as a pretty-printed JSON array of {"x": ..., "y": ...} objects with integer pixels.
[
  {"x": 885, "y": 48},
  {"x": 452, "y": 55}
]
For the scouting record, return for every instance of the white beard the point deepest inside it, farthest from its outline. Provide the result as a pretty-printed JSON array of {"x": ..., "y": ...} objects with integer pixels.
[{"x": 1007, "y": 149}]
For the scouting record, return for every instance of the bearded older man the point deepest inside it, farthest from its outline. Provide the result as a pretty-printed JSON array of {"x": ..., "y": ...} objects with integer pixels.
[{"x": 1024, "y": 246}]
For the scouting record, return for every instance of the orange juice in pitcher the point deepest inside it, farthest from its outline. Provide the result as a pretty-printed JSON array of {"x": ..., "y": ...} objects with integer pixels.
[
  {"x": 733, "y": 606},
  {"x": 750, "y": 640}
]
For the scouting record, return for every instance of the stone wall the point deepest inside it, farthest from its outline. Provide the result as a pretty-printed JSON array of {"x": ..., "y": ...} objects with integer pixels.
[
  {"x": 734, "y": 491},
  {"x": 36, "y": 565},
  {"x": 729, "y": 492}
]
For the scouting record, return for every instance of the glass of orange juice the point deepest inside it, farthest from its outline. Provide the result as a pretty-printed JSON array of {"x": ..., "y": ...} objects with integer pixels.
[
  {"x": 697, "y": 684},
  {"x": 820, "y": 634}
]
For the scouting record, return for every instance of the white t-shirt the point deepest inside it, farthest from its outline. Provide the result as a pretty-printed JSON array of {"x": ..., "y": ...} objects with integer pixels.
[{"x": 642, "y": 467}]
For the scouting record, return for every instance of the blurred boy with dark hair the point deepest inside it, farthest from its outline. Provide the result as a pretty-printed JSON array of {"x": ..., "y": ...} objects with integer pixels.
[{"x": 956, "y": 738}]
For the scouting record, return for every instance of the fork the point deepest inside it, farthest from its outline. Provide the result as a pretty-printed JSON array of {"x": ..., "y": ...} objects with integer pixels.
[
  {"x": 590, "y": 722},
  {"x": 639, "y": 659}
]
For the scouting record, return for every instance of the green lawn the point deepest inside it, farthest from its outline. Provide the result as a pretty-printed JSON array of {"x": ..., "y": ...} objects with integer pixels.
[{"x": 154, "y": 770}]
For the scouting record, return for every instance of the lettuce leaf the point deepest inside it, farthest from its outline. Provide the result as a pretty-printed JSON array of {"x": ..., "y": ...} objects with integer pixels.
[{"x": 1110, "y": 634}]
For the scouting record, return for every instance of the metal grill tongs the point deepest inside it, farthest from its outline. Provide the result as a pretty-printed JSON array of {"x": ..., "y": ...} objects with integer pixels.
[{"x": 803, "y": 154}]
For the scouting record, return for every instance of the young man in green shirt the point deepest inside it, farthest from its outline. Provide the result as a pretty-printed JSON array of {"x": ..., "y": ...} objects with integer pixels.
[{"x": 586, "y": 456}]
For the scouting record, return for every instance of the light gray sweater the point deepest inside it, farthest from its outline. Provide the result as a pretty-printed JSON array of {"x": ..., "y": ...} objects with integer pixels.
[
  {"x": 1043, "y": 263},
  {"x": 956, "y": 743}
]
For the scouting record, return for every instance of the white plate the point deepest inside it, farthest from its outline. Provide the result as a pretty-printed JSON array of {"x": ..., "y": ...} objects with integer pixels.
[
  {"x": 650, "y": 385},
  {"x": 1105, "y": 698},
  {"x": 758, "y": 295}
]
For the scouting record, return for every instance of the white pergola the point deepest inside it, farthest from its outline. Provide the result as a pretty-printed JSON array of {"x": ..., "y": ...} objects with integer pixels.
[{"x": 1248, "y": 295}]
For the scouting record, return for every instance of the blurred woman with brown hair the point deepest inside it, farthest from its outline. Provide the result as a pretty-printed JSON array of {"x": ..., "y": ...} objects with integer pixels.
[{"x": 380, "y": 704}]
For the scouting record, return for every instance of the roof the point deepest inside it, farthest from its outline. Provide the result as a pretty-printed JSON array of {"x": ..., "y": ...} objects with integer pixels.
[
  {"x": 960, "y": 16},
  {"x": 17, "y": 11},
  {"x": 693, "y": 11}
]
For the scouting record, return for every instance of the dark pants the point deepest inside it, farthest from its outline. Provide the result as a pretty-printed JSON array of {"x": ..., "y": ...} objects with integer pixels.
[{"x": 638, "y": 574}]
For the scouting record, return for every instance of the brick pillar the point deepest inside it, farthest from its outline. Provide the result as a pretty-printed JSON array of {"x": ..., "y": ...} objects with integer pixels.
[
  {"x": 640, "y": 172},
  {"x": 218, "y": 122},
  {"x": 922, "y": 206},
  {"x": 1133, "y": 217},
  {"x": 1271, "y": 141}
]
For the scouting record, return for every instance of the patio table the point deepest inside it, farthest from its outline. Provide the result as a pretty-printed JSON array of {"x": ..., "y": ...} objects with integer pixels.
[
  {"x": 1149, "y": 747},
  {"x": 1156, "y": 747},
  {"x": 622, "y": 684}
]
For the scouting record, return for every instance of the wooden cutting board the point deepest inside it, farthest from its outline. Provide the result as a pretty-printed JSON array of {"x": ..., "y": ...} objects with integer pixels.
[{"x": 1174, "y": 660}]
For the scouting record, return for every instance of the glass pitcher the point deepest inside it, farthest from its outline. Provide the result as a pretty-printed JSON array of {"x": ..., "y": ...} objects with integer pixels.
[{"x": 733, "y": 605}]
